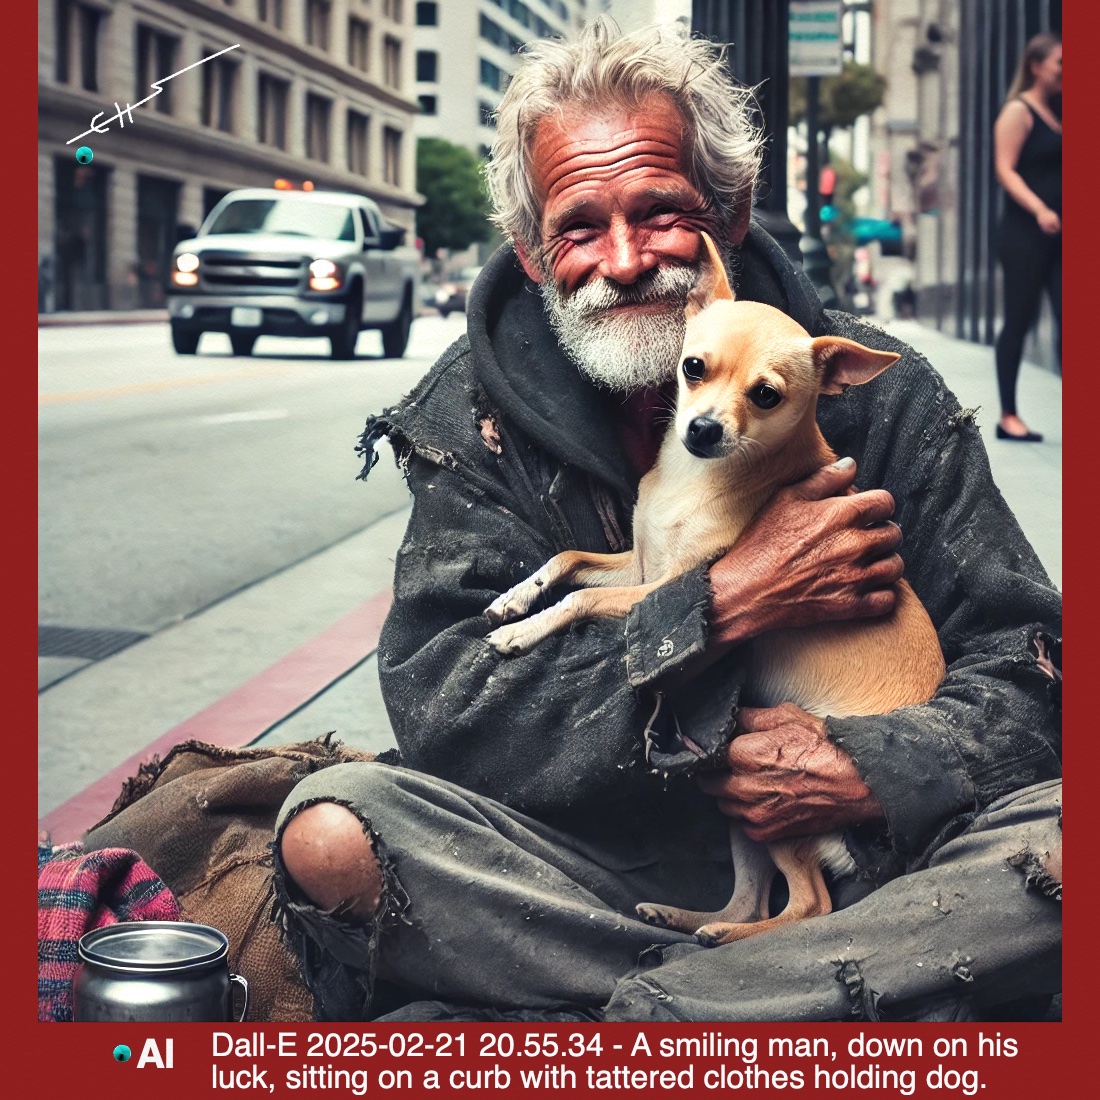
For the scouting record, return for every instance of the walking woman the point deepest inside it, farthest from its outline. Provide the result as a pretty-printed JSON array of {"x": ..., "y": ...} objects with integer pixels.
[{"x": 1027, "y": 140}]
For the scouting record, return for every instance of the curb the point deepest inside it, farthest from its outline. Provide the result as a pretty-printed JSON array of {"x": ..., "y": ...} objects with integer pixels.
[{"x": 104, "y": 317}]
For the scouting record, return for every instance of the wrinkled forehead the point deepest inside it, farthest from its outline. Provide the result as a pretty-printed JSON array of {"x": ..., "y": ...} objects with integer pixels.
[{"x": 584, "y": 147}]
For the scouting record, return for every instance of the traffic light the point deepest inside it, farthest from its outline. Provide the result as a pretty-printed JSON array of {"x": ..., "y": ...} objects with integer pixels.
[{"x": 825, "y": 188}]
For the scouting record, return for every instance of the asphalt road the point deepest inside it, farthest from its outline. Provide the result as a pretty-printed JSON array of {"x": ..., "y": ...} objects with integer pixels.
[{"x": 167, "y": 483}]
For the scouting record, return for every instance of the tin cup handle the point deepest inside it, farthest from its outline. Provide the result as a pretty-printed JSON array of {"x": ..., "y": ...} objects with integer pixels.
[{"x": 238, "y": 980}]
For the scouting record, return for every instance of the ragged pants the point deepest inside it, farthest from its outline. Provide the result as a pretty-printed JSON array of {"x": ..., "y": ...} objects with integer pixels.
[{"x": 484, "y": 906}]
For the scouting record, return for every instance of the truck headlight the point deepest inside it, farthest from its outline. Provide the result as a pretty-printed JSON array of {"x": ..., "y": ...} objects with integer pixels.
[
  {"x": 323, "y": 275},
  {"x": 187, "y": 263}
]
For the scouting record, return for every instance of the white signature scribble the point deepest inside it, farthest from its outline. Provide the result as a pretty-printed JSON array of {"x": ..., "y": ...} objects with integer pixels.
[{"x": 128, "y": 109}]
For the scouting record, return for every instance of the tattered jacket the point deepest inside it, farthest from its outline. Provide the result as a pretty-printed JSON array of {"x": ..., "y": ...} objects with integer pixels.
[{"x": 511, "y": 457}]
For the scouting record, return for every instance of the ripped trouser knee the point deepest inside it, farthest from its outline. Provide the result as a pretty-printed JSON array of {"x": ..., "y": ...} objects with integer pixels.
[
  {"x": 980, "y": 924},
  {"x": 482, "y": 905},
  {"x": 336, "y": 952}
]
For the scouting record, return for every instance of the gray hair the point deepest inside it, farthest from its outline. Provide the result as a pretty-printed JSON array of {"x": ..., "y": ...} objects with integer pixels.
[{"x": 605, "y": 67}]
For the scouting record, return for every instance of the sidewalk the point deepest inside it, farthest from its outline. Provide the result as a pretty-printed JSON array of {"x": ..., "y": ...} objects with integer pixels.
[
  {"x": 1029, "y": 475},
  {"x": 104, "y": 317},
  {"x": 293, "y": 657}
]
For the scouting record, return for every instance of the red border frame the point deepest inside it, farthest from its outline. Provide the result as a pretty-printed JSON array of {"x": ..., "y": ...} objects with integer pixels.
[{"x": 81, "y": 1057}]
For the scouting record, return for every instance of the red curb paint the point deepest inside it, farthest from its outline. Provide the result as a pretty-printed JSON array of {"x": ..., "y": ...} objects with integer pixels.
[{"x": 242, "y": 716}]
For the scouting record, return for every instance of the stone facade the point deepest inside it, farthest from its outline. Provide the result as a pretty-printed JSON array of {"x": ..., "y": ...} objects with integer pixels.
[{"x": 289, "y": 103}]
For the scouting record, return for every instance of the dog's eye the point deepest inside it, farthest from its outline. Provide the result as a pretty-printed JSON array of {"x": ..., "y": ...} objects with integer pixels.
[
  {"x": 694, "y": 369},
  {"x": 765, "y": 396}
]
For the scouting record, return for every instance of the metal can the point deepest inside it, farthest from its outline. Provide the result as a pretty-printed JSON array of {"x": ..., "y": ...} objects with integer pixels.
[{"x": 155, "y": 971}]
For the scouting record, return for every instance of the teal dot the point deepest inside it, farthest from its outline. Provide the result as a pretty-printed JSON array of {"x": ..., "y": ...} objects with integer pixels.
[
  {"x": 122, "y": 1053},
  {"x": 84, "y": 156}
]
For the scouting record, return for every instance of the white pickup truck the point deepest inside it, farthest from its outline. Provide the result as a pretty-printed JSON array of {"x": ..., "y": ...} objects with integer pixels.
[{"x": 293, "y": 263}]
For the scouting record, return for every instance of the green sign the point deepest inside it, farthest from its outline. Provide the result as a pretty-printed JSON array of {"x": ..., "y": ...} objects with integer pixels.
[{"x": 815, "y": 47}]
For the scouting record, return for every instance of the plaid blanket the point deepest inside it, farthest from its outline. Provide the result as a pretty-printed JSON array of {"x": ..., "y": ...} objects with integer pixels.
[{"x": 77, "y": 892}]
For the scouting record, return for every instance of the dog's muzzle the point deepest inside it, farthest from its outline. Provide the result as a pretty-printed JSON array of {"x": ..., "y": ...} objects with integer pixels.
[{"x": 703, "y": 436}]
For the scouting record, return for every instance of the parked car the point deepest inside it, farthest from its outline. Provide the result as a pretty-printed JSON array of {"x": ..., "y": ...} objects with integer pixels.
[
  {"x": 451, "y": 296},
  {"x": 294, "y": 263}
]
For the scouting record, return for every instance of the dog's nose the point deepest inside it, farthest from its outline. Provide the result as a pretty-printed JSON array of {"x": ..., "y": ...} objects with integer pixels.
[{"x": 703, "y": 434}]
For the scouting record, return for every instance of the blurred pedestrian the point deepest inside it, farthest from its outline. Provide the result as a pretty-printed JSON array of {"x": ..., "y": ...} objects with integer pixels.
[{"x": 1027, "y": 139}]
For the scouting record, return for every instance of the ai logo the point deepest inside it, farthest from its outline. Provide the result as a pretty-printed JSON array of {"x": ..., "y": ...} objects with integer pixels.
[{"x": 150, "y": 1054}]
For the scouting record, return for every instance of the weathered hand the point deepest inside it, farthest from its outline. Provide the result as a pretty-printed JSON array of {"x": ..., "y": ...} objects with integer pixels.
[
  {"x": 812, "y": 555},
  {"x": 787, "y": 779}
]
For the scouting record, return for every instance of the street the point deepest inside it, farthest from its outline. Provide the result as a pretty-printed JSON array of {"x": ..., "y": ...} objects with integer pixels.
[{"x": 168, "y": 482}]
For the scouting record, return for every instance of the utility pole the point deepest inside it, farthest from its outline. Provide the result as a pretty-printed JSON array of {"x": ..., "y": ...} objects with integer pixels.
[
  {"x": 813, "y": 166},
  {"x": 756, "y": 35}
]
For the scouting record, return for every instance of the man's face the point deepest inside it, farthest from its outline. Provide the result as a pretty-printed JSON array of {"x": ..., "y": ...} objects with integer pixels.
[{"x": 620, "y": 239}]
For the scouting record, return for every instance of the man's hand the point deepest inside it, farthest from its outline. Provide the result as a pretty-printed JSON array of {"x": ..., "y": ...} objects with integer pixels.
[
  {"x": 787, "y": 779},
  {"x": 813, "y": 554}
]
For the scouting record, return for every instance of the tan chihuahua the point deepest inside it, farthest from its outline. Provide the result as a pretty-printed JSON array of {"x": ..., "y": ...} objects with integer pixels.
[{"x": 745, "y": 427}]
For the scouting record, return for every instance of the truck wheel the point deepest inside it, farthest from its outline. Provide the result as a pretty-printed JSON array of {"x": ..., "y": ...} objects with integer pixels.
[
  {"x": 395, "y": 335},
  {"x": 242, "y": 342},
  {"x": 185, "y": 341},
  {"x": 342, "y": 341}
]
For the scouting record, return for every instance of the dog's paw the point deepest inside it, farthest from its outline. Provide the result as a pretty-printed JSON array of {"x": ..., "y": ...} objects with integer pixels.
[
  {"x": 510, "y": 640},
  {"x": 652, "y": 914},
  {"x": 668, "y": 916},
  {"x": 513, "y": 604},
  {"x": 714, "y": 935}
]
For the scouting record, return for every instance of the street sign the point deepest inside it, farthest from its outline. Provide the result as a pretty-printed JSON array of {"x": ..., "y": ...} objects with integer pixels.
[{"x": 814, "y": 45}]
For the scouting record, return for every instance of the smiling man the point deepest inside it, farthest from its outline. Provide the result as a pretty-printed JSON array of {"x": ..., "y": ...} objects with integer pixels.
[{"x": 495, "y": 866}]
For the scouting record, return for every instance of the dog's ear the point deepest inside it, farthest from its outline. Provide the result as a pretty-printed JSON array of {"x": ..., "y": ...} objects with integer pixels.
[
  {"x": 712, "y": 283},
  {"x": 843, "y": 363}
]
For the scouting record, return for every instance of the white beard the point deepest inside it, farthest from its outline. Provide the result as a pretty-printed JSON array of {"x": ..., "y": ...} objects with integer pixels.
[{"x": 622, "y": 351}]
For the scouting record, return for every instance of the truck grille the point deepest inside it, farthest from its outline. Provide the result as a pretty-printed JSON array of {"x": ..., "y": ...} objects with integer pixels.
[{"x": 245, "y": 270}]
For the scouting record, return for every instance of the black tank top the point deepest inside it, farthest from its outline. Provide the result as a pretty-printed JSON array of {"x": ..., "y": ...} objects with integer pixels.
[{"x": 1040, "y": 163}]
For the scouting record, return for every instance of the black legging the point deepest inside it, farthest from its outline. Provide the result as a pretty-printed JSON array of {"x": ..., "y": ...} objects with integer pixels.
[{"x": 1031, "y": 260}]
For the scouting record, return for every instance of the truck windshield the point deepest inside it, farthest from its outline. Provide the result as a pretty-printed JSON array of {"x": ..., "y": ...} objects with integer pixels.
[{"x": 286, "y": 217}]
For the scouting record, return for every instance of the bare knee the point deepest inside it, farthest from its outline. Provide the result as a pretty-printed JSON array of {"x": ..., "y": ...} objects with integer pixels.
[{"x": 329, "y": 855}]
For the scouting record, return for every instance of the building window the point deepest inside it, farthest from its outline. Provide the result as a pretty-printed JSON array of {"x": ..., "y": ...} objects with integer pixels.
[
  {"x": 492, "y": 76},
  {"x": 317, "y": 15},
  {"x": 272, "y": 113},
  {"x": 428, "y": 105},
  {"x": 391, "y": 54},
  {"x": 485, "y": 113},
  {"x": 219, "y": 93},
  {"x": 523, "y": 15},
  {"x": 270, "y": 11},
  {"x": 495, "y": 33},
  {"x": 318, "y": 113},
  {"x": 393, "y": 9},
  {"x": 359, "y": 44},
  {"x": 427, "y": 66},
  {"x": 358, "y": 143},
  {"x": 391, "y": 156},
  {"x": 78, "y": 27},
  {"x": 156, "y": 58},
  {"x": 427, "y": 14}
]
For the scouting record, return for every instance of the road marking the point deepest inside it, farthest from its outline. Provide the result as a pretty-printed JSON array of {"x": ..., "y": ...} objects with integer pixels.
[
  {"x": 245, "y": 416},
  {"x": 163, "y": 384},
  {"x": 242, "y": 716}
]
